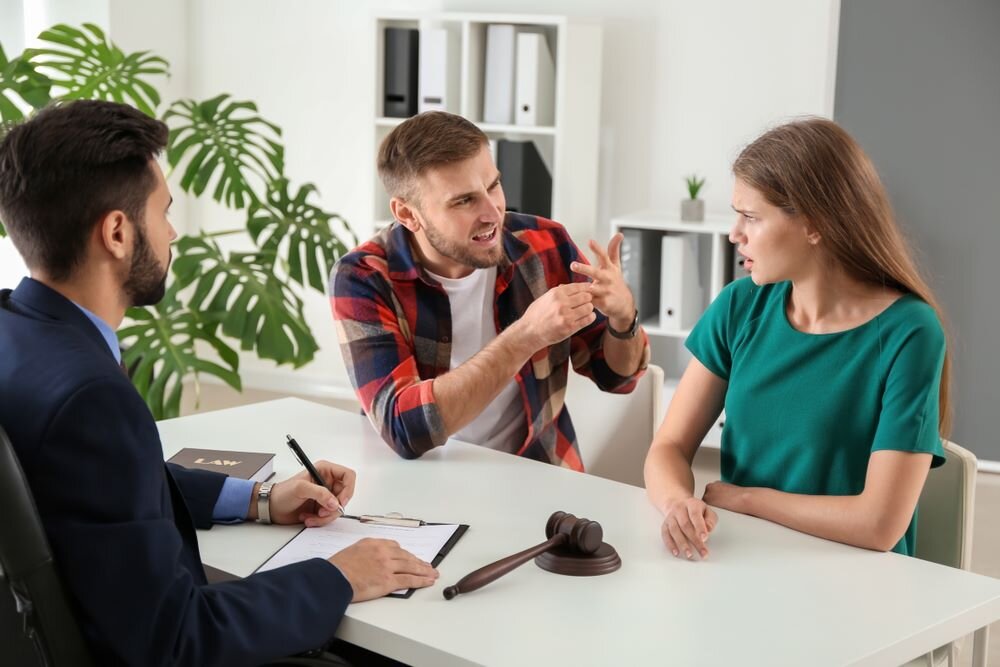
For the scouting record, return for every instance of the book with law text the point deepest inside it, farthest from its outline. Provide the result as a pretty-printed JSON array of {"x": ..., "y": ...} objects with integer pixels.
[{"x": 254, "y": 466}]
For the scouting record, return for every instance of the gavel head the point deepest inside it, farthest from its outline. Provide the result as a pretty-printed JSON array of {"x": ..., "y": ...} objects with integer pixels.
[{"x": 583, "y": 535}]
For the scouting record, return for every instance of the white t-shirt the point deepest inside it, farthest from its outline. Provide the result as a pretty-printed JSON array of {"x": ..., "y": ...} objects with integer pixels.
[{"x": 502, "y": 424}]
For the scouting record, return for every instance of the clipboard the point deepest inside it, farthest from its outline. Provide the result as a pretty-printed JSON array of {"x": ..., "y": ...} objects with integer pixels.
[
  {"x": 373, "y": 528},
  {"x": 444, "y": 551}
]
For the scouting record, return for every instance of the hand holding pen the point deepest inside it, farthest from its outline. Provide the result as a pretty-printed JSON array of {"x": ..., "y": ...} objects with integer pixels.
[{"x": 316, "y": 496}]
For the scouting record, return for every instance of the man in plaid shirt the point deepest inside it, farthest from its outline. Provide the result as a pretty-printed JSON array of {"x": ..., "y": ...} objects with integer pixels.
[{"x": 462, "y": 320}]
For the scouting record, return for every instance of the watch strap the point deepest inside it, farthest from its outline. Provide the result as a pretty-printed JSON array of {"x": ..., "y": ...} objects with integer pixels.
[
  {"x": 264, "y": 502},
  {"x": 628, "y": 333}
]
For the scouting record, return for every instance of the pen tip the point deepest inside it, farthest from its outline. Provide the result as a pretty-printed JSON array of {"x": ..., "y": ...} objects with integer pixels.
[{"x": 288, "y": 436}]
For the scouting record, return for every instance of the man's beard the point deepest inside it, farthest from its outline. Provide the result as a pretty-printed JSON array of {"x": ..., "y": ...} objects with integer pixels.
[
  {"x": 462, "y": 254},
  {"x": 146, "y": 282}
]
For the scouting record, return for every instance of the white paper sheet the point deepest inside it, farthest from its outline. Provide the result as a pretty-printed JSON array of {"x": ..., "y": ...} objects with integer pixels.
[{"x": 424, "y": 542}]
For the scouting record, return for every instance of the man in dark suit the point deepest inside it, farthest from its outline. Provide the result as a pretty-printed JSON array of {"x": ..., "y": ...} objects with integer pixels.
[{"x": 85, "y": 203}]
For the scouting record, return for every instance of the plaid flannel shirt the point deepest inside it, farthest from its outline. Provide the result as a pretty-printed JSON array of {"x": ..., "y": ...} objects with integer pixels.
[{"x": 395, "y": 330}]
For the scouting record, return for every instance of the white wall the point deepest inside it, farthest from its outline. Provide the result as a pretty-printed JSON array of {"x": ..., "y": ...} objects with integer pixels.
[
  {"x": 685, "y": 86},
  {"x": 21, "y": 22},
  {"x": 134, "y": 25}
]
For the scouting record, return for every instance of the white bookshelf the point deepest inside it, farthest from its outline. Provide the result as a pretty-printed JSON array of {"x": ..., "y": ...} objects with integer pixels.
[
  {"x": 569, "y": 147},
  {"x": 715, "y": 259}
]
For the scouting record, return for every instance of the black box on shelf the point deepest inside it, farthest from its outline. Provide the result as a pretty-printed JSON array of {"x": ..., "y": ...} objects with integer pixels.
[
  {"x": 640, "y": 255},
  {"x": 402, "y": 56},
  {"x": 527, "y": 183}
]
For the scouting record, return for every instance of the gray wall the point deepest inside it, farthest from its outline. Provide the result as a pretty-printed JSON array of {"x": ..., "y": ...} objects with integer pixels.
[{"x": 918, "y": 84}]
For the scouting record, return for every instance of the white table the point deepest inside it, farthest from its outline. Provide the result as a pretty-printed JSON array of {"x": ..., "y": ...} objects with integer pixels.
[{"x": 766, "y": 596}]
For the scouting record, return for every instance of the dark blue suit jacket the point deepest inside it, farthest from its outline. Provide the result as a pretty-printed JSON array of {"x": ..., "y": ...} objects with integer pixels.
[{"x": 120, "y": 523}]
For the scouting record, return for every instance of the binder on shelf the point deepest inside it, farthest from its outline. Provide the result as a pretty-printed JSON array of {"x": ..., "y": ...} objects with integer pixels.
[
  {"x": 680, "y": 282},
  {"x": 640, "y": 256},
  {"x": 402, "y": 55},
  {"x": 438, "y": 80},
  {"x": 534, "y": 87},
  {"x": 498, "y": 79},
  {"x": 527, "y": 183}
]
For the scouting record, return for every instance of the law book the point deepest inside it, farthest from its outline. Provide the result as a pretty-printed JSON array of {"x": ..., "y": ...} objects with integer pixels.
[
  {"x": 527, "y": 182},
  {"x": 254, "y": 466},
  {"x": 402, "y": 53}
]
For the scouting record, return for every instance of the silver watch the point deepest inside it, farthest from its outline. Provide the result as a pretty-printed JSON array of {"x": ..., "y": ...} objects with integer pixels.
[{"x": 264, "y": 502}]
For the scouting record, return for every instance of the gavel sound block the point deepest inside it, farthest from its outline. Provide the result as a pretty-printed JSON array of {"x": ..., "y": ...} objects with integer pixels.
[{"x": 575, "y": 547}]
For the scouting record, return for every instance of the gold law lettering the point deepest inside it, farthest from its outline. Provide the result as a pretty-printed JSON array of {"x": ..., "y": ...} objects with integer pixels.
[{"x": 217, "y": 462}]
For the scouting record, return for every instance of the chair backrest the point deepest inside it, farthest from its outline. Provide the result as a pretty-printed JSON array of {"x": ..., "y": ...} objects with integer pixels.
[
  {"x": 615, "y": 430},
  {"x": 29, "y": 576},
  {"x": 945, "y": 510}
]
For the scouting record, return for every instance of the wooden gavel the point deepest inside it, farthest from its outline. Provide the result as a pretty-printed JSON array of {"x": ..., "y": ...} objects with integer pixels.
[{"x": 582, "y": 536}]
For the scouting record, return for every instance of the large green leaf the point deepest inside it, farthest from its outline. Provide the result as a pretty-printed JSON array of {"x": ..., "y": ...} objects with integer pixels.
[
  {"x": 90, "y": 67},
  {"x": 225, "y": 140},
  {"x": 160, "y": 349},
  {"x": 242, "y": 293},
  {"x": 305, "y": 233},
  {"x": 21, "y": 86}
]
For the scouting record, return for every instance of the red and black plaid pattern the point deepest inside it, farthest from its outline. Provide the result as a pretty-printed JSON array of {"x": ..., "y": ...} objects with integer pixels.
[{"x": 394, "y": 325}]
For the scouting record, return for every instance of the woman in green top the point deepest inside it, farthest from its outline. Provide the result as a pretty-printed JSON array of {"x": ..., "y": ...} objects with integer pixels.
[{"x": 829, "y": 359}]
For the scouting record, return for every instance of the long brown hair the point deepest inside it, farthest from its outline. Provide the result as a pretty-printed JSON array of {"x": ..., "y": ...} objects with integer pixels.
[{"x": 814, "y": 168}]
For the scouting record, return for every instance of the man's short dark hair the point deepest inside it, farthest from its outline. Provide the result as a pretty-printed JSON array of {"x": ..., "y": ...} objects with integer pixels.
[
  {"x": 66, "y": 168},
  {"x": 425, "y": 141}
]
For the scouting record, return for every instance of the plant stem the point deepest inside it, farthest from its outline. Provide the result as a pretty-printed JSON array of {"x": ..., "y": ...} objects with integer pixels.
[{"x": 225, "y": 232}]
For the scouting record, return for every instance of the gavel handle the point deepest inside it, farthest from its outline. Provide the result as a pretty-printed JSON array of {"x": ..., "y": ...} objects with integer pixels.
[{"x": 493, "y": 571}]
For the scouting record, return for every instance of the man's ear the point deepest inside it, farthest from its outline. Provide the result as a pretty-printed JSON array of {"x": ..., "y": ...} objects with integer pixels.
[
  {"x": 114, "y": 232},
  {"x": 405, "y": 213}
]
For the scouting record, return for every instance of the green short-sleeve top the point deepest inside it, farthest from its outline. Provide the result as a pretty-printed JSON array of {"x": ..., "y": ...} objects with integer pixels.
[{"x": 804, "y": 411}]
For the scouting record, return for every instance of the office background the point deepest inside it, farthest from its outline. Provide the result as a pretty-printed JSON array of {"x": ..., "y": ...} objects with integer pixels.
[{"x": 685, "y": 85}]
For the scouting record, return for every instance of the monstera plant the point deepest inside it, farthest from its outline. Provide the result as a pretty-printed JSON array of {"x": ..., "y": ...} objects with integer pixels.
[{"x": 215, "y": 299}]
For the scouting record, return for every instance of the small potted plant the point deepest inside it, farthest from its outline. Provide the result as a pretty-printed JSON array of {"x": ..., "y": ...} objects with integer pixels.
[{"x": 693, "y": 209}]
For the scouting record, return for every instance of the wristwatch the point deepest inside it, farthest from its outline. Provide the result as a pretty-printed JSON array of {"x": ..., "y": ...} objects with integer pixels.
[
  {"x": 632, "y": 330},
  {"x": 264, "y": 502}
]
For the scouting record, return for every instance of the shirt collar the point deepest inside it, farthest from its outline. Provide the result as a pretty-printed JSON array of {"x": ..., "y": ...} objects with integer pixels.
[{"x": 106, "y": 332}]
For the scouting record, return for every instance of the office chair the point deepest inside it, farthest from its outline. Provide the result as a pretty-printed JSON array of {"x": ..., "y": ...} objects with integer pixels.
[
  {"x": 944, "y": 526},
  {"x": 615, "y": 430},
  {"x": 36, "y": 619}
]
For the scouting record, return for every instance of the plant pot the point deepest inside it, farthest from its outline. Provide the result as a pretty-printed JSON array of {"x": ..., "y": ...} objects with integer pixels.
[{"x": 692, "y": 210}]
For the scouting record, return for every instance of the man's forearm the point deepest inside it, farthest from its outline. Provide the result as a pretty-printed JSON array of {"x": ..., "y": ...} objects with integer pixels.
[
  {"x": 463, "y": 393},
  {"x": 623, "y": 354}
]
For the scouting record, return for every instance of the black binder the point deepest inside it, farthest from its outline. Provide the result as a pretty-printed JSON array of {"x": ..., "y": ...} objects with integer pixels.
[
  {"x": 640, "y": 256},
  {"x": 402, "y": 54},
  {"x": 527, "y": 183}
]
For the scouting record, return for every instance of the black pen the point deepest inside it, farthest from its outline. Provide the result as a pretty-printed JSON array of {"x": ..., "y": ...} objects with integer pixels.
[{"x": 308, "y": 465}]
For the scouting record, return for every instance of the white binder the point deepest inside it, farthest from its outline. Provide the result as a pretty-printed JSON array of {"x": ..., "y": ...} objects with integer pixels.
[
  {"x": 498, "y": 84},
  {"x": 534, "y": 88},
  {"x": 438, "y": 83},
  {"x": 680, "y": 282}
]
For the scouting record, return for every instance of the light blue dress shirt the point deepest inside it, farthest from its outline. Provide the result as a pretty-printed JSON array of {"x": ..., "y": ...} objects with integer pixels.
[{"x": 234, "y": 499}]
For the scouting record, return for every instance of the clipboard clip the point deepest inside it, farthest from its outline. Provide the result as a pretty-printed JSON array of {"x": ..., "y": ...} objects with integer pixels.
[{"x": 390, "y": 519}]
